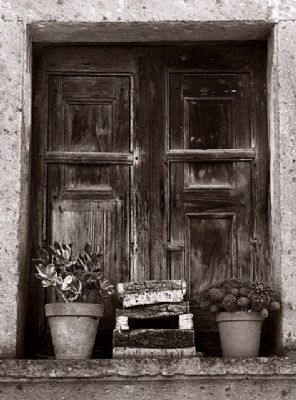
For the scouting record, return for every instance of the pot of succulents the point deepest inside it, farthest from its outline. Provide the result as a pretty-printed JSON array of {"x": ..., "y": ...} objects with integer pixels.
[
  {"x": 240, "y": 309},
  {"x": 73, "y": 319}
]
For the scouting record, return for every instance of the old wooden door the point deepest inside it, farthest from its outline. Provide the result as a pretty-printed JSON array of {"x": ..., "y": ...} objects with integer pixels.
[
  {"x": 211, "y": 159},
  {"x": 156, "y": 155},
  {"x": 90, "y": 151}
]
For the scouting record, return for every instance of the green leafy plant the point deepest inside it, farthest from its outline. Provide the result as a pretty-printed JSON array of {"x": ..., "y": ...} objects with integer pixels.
[
  {"x": 74, "y": 278},
  {"x": 236, "y": 295}
]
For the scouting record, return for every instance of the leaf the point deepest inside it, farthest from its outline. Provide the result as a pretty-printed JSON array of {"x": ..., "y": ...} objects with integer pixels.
[
  {"x": 50, "y": 269},
  {"x": 88, "y": 248},
  {"x": 57, "y": 247},
  {"x": 66, "y": 251},
  {"x": 68, "y": 279},
  {"x": 41, "y": 271},
  {"x": 43, "y": 255},
  {"x": 39, "y": 261},
  {"x": 46, "y": 283}
]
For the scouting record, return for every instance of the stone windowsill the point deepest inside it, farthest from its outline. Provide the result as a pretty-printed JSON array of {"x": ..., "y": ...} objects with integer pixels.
[{"x": 209, "y": 368}]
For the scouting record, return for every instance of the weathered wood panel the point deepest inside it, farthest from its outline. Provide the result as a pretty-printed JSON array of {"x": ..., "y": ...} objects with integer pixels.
[
  {"x": 140, "y": 190},
  {"x": 158, "y": 173},
  {"x": 88, "y": 149},
  {"x": 87, "y": 157},
  {"x": 188, "y": 123},
  {"x": 211, "y": 163}
]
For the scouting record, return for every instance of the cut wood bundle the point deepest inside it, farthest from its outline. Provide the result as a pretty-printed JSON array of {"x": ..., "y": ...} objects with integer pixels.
[
  {"x": 154, "y": 338},
  {"x": 134, "y": 352},
  {"x": 155, "y": 311},
  {"x": 133, "y": 294},
  {"x": 136, "y": 287},
  {"x": 153, "y": 301}
]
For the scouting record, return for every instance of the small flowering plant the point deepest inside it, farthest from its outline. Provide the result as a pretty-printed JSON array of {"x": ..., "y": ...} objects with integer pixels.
[
  {"x": 72, "y": 277},
  {"x": 236, "y": 295}
]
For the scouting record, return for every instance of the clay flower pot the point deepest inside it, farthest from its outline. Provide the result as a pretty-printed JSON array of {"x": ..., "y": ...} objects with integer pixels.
[
  {"x": 73, "y": 328},
  {"x": 240, "y": 333}
]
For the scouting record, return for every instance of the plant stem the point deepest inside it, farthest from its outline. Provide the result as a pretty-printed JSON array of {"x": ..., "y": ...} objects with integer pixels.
[{"x": 62, "y": 294}]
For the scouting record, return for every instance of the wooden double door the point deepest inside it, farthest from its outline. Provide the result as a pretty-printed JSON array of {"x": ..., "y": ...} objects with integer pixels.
[{"x": 157, "y": 155}]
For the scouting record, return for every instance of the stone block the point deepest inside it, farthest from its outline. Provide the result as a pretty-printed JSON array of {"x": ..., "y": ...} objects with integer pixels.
[{"x": 11, "y": 169}]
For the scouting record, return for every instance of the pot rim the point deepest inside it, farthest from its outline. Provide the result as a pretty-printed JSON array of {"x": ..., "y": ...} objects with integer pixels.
[
  {"x": 239, "y": 316},
  {"x": 74, "y": 309}
]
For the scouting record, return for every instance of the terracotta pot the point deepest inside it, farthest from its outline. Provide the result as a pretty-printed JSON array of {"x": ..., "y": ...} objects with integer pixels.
[
  {"x": 240, "y": 333},
  {"x": 73, "y": 328}
]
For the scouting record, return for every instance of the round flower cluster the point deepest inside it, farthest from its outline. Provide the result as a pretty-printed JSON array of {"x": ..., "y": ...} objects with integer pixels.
[{"x": 235, "y": 295}]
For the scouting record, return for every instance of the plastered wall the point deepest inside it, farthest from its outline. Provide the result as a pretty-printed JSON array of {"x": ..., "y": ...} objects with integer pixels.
[{"x": 22, "y": 22}]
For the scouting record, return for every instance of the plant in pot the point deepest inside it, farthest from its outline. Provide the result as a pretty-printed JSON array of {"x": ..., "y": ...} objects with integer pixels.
[
  {"x": 73, "y": 320},
  {"x": 240, "y": 308}
]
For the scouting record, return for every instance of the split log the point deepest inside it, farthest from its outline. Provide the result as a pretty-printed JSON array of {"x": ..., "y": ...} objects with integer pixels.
[
  {"x": 152, "y": 297},
  {"x": 133, "y": 294},
  {"x": 156, "y": 311},
  {"x": 154, "y": 338},
  {"x": 126, "y": 352},
  {"x": 145, "y": 286},
  {"x": 186, "y": 321},
  {"x": 122, "y": 322}
]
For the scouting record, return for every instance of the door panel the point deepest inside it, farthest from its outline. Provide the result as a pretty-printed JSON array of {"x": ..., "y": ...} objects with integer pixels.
[
  {"x": 89, "y": 113},
  {"x": 209, "y": 111},
  {"x": 89, "y": 203},
  {"x": 97, "y": 211},
  {"x": 228, "y": 215},
  {"x": 90, "y": 130},
  {"x": 212, "y": 152}
]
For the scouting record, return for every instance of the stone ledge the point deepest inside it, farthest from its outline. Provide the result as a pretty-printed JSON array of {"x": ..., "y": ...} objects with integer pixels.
[{"x": 210, "y": 368}]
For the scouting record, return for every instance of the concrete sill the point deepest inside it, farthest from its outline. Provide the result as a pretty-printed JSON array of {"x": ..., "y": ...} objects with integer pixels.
[{"x": 146, "y": 369}]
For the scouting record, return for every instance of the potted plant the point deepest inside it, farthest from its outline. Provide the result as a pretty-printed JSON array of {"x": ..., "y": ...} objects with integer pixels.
[
  {"x": 240, "y": 308},
  {"x": 73, "y": 320}
]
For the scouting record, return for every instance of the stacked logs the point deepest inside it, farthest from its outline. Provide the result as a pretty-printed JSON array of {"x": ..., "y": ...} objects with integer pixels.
[{"x": 150, "y": 301}]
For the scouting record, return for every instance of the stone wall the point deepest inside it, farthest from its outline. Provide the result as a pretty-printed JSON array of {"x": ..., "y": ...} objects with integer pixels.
[
  {"x": 188, "y": 379},
  {"x": 142, "y": 20}
]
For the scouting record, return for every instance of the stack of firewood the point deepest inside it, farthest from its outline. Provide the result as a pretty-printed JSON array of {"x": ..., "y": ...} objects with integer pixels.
[{"x": 147, "y": 301}]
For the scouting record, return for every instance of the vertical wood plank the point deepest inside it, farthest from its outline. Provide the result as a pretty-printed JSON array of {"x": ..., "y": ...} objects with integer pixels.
[
  {"x": 158, "y": 168},
  {"x": 141, "y": 185}
]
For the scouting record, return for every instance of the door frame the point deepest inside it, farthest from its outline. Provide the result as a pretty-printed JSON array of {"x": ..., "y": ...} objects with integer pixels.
[{"x": 156, "y": 192}]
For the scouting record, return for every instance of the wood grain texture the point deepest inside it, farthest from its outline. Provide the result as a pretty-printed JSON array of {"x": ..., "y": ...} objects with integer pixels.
[
  {"x": 152, "y": 297},
  {"x": 158, "y": 311},
  {"x": 158, "y": 154},
  {"x": 210, "y": 162},
  {"x": 130, "y": 352},
  {"x": 146, "y": 286},
  {"x": 154, "y": 338},
  {"x": 70, "y": 157}
]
